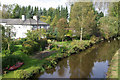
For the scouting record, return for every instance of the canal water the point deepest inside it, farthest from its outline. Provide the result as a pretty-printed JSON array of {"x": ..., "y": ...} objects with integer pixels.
[{"x": 91, "y": 63}]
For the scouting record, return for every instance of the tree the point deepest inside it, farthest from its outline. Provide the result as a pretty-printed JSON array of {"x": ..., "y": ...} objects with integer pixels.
[
  {"x": 53, "y": 24},
  {"x": 57, "y": 13},
  {"x": 51, "y": 13},
  {"x": 115, "y": 12},
  {"x": 108, "y": 27},
  {"x": 7, "y": 11},
  {"x": 41, "y": 12},
  {"x": 35, "y": 11},
  {"x": 16, "y": 12},
  {"x": 82, "y": 18},
  {"x": 22, "y": 12},
  {"x": 64, "y": 12},
  {"x": 113, "y": 9},
  {"x": 44, "y": 12},
  {"x": 7, "y": 35},
  {"x": 61, "y": 27}
]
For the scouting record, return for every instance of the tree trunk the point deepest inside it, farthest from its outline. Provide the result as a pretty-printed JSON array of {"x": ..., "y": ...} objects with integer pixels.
[
  {"x": 81, "y": 34},
  {"x": 8, "y": 46},
  {"x": 62, "y": 40}
]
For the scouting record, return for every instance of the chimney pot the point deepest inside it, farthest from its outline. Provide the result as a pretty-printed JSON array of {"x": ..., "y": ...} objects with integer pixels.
[
  {"x": 23, "y": 17},
  {"x": 35, "y": 17}
]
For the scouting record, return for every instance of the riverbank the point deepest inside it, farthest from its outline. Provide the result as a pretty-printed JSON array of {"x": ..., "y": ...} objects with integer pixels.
[
  {"x": 36, "y": 66},
  {"x": 113, "y": 69}
]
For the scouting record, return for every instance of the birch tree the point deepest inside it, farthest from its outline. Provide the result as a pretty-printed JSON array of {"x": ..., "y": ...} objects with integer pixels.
[{"x": 82, "y": 18}]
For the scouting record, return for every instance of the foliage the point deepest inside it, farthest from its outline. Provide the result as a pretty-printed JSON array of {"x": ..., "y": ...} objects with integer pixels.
[
  {"x": 43, "y": 43},
  {"x": 19, "y": 42},
  {"x": 7, "y": 35},
  {"x": 94, "y": 39},
  {"x": 36, "y": 34},
  {"x": 10, "y": 60},
  {"x": 79, "y": 45},
  {"x": 16, "y": 11},
  {"x": 29, "y": 46},
  {"x": 61, "y": 27},
  {"x": 113, "y": 9},
  {"x": 69, "y": 33},
  {"x": 21, "y": 74},
  {"x": 82, "y": 18},
  {"x": 49, "y": 41},
  {"x": 108, "y": 27}
]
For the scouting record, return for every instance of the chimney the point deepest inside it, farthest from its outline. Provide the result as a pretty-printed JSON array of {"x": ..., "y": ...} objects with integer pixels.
[
  {"x": 23, "y": 17},
  {"x": 35, "y": 17}
]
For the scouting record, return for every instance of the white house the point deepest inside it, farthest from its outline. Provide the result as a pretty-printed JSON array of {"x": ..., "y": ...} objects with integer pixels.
[{"x": 22, "y": 25}]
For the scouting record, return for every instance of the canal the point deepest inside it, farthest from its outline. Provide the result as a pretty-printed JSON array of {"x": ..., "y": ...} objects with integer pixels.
[{"x": 91, "y": 63}]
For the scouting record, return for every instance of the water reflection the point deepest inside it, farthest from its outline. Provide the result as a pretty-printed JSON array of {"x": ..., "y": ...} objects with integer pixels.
[{"x": 92, "y": 63}]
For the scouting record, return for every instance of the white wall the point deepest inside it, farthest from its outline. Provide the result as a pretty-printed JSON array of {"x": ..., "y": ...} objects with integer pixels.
[{"x": 20, "y": 30}]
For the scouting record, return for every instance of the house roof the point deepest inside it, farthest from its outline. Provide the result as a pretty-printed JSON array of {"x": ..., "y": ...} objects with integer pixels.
[{"x": 21, "y": 22}]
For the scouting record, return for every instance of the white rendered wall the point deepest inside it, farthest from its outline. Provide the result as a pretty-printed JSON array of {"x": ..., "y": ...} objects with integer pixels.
[{"x": 21, "y": 30}]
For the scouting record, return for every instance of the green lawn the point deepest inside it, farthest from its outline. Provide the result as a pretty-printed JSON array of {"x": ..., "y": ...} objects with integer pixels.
[{"x": 29, "y": 63}]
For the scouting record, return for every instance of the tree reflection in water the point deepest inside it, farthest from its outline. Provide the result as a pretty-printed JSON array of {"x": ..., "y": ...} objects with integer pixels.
[{"x": 92, "y": 62}]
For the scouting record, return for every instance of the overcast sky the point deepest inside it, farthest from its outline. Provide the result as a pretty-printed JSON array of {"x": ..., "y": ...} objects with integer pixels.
[{"x": 40, "y": 3}]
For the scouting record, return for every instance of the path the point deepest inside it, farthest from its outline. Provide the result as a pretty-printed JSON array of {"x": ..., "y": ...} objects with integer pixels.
[{"x": 43, "y": 54}]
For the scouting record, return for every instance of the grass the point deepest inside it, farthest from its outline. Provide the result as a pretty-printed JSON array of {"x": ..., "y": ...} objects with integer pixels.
[
  {"x": 29, "y": 63},
  {"x": 113, "y": 69}
]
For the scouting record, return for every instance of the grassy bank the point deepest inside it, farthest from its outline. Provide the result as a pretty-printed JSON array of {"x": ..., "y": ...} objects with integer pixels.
[
  {"x": 35, "y": 66},
  {"x": 114, "y": 69}
]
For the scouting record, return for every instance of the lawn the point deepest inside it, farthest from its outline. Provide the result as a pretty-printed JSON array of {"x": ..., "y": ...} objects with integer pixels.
[{"x": 29, "y": 63}]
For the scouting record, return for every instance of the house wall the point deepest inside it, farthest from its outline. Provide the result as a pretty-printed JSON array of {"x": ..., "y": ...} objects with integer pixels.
[
  {"x": 21, "y": 30},
  {"x": 3, "y": 24}
]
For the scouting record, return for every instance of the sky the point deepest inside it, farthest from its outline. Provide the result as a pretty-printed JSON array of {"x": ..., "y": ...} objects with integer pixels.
[{"x": 40, "y": 3}]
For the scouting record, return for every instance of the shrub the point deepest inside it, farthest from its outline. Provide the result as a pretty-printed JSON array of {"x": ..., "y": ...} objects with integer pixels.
[
  {"x": 19, "y": 42},
  {"x": 54, "y": 47},
  {"x": 79, "y": 45},
  {"x": 63, "y": 49},
  {"x": 94, "y": 39},
  {"x": 21, "y": 74},
  {"x": 29, "y": 46},
  {"x": 43, "y": 43},
  {"x": 6, "y": 52},
  {"x": 10, "y": 60},
  {"x": 68, "y": 38},
  {"x": 49, "y": 41}
]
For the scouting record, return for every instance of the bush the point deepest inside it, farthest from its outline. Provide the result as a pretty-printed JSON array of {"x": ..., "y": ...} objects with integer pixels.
[
  {"x": 68, "y": 38},
  {"x": 94, "y": 39},
  {"x": 29, "y": 46},
  {"x": 6, "y": 52},
  {"x": 54, "y": 47},
  {"x": 10, "y": 60},
  {"x": 19, "y": 42},
  {"x": 43, "y": 43},
  {"x": 79, "y": 45},
  {"x": 21, "y": 74},
  {"x": 63, "y": 49}
]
